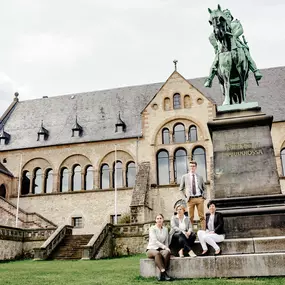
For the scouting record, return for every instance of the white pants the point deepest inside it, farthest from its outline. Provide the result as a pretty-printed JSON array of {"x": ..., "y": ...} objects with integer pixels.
[{"x": 211, "y": 239}]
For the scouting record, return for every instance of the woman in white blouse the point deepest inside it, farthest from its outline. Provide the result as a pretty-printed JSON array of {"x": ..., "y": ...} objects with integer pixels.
[
  {"x": 158, "y": 247},
  {"x": 214, "y": 230},
  {"x": 181, "y": 234}
]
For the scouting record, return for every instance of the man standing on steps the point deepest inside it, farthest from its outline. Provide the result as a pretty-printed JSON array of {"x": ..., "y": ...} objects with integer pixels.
[{"x": 192, "y": 187}]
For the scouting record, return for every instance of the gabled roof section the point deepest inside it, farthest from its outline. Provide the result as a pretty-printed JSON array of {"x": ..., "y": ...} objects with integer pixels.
[
  {"x": 5, "y": 171},
  {"x": 99, "y": 110},
  {"x": 9, "y": 110}
]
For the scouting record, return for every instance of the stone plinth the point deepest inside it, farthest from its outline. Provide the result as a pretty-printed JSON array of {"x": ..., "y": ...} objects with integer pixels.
[
  {"x": 243, "y": 265},
  {"x": 244, "y": 162}
]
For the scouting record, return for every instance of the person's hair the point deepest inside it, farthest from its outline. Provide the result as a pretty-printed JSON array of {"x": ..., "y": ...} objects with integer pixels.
[
  {"x": 193, "y": 162},
  {"x": 211, "y": 203},
  {"x": 181, "y": 206},
  {"x": 159, "y": 215}
]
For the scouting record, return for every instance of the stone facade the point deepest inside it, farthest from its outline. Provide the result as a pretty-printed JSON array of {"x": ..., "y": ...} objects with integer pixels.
[{"x": 96, "y": 206}]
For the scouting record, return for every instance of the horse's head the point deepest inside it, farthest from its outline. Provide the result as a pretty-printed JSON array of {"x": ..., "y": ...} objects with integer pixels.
[{"x": 220, "y": 22}]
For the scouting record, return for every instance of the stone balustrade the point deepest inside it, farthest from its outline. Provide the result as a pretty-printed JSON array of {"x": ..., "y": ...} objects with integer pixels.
[{"x": 52, "y": 242}]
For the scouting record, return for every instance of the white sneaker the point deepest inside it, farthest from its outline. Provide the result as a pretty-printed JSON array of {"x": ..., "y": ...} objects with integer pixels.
[{"x": 192, "y": 254}]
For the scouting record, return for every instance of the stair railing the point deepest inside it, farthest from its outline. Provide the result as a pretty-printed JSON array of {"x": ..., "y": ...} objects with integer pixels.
[
  {"x": 93, "y": 246},
  {"x": 52, "y": 242}
]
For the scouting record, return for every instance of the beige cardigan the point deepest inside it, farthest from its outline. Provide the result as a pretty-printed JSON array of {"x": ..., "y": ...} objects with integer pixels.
[{"x": 158, "y": 238}]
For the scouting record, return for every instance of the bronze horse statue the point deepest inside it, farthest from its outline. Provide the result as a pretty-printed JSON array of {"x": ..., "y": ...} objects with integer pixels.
[{"x": 231, "y": 62}]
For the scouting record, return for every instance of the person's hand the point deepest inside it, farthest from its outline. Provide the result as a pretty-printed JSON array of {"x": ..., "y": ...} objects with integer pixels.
[
  {"x": 211, "y": 232},
  {"x": 167, "y": 248},
  {"x": 187, "y": 234}
]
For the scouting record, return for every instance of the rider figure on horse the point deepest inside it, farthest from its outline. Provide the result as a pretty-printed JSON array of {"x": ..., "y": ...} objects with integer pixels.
[{"x": 236, "y": 31}]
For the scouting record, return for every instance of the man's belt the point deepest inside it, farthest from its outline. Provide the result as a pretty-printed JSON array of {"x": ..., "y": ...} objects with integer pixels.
[{"x": 195, "y": 196}]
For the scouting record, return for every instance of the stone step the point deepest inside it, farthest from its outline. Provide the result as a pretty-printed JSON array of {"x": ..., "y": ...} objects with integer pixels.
[
  {"x": 246, "y": 246},
  {"x": 71, "y": 247},
  {"x": 238, "y": 265}
]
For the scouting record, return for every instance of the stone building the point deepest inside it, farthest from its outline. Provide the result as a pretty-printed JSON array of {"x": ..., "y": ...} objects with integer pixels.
[{"x": 61, "y": 152}]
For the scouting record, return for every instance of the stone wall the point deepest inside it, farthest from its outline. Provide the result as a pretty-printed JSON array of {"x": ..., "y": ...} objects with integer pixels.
[
  {"x": 18, "y": 243},
  {"x": 10, "y": 249},
  {"x": 95, "y": 207}
]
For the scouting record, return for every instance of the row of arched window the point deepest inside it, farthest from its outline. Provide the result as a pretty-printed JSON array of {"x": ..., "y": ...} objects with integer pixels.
[
  {"x": 177, "y": 104},
  {"x": 179, "y": 134},
  {"x": 180, "y": 164},
  {"x": 78, "y": 179}
]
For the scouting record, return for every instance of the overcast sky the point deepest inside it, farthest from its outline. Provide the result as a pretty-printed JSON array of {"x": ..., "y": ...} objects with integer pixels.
[{"x": 56, "y": 47}]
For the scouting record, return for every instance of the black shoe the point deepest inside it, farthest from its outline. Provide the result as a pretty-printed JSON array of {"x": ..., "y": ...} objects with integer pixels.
[
  {"x": 161, "y": 276},
  {"x": 167, "y": 278}
]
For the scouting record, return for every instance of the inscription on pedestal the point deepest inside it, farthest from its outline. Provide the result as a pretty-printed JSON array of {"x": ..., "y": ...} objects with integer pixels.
[{"x": 244, "y": 163}]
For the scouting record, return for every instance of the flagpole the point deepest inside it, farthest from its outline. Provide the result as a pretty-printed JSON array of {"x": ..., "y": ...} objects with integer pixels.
[
  {"x": 116, "y": 217},
  {"x": 19, "y": 189}
]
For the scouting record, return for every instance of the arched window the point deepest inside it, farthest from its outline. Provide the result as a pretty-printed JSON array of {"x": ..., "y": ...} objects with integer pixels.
[
  {"x": 176, "y": 101},
  {"x": 166, "y": 104},
  {"x": 64, "y": 180},
  {"x": 187, "y": 101},
  {"x": 163, "y": 176},
  {"x": 3, "y": 191},
  {"x": 282, "y": 154},
  {"x": 76, "y": 178},
  {"x": 165, "y": 136},
  {"x": 105, "y": 177},
  {"x": 88, "y": 179},
  {"x": 180, "y": 164},
  {"x": 37, "y": 181},
  {"x": 26, "y": 181},
  {"x": 119, "y": 174},
  {"x": 199, "y": 155},
  {"x": 192, "y": 134},
  {"x": 179, "y": 133},
  {"x": 49, "y": 181},
  {"x": 131, "y": 174}
]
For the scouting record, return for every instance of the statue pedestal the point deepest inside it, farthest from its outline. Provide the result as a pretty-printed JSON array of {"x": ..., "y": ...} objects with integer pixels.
[{"x": 246, "y": 183}]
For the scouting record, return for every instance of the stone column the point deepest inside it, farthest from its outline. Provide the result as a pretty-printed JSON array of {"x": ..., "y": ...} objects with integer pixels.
[
  {"x": 111, "y": 178},
  {"x": 31, "y": 184},
  {"x": 124, "y": 177},
  {"x": 171, "y": 170},
  {"x": 43, "y": 182},
  {"x": 96, "y": 179},
  {"x": 69, "y": 181},
  {"x": 83, "y": 185},
  {"x": 55, "y": 183}
]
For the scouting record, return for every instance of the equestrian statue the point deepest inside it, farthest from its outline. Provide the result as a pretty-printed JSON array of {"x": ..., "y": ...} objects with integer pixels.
[{"x": 232, "y": 57}]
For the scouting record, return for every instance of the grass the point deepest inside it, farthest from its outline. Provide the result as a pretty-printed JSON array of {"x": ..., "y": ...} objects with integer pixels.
[{"x": 117, "y": 271}]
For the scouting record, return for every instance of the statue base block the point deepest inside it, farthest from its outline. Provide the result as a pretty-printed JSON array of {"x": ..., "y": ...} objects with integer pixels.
[{"x": 244, "y": 161}]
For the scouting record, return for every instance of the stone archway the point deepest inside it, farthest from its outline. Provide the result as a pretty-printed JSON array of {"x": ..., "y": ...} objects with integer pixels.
[{"x": 3, "y": 191}]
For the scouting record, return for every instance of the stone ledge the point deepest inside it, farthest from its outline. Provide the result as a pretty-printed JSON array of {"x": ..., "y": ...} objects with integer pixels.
[{"x": 244, "y": 265}]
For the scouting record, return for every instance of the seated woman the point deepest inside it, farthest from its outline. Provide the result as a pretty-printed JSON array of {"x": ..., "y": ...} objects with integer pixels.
[
  {"x": 214, "y": 230},
  {"x": 181, "y": 234},
  {"x": 158, "y": 247}
]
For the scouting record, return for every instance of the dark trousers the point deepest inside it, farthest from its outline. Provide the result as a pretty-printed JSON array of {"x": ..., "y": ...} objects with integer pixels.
[
  {"x": 179, "y": 241},
  {"x": 161, "y": 257}
]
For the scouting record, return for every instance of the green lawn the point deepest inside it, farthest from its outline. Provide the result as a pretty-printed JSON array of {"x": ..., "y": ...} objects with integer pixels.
[{"x": 108, "y": 271}]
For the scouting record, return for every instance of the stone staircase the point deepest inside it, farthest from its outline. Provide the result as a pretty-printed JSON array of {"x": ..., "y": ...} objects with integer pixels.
[
  {"x": 8, "y": 212},
  {"x": 71, "y": 247}
]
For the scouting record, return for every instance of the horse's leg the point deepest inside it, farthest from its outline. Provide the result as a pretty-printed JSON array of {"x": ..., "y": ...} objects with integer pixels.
[{"x": 226, "y": 71}]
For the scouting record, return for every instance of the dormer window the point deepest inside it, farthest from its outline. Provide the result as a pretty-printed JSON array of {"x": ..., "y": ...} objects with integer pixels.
[
  {"x": 43, "y": 133},
  {"x": 120, "y": 126},
  {"x": 77, "y": 130},
  {"x": 4, "y": 137}
]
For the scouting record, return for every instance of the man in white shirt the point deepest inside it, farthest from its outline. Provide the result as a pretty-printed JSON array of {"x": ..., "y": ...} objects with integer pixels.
[{"x": 192, "y": 187}]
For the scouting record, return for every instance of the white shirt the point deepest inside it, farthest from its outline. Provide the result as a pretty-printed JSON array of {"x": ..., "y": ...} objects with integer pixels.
[
  {"x": 211, "y": 227},
  {"x": 198, "y": 191}
]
